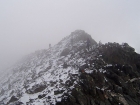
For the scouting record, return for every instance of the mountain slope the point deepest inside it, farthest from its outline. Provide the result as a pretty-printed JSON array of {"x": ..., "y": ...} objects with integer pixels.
[
  {"x": 70, "y": 73},
  {"x": 115, "y": 79},
  {"x": 43, "y": 75}
]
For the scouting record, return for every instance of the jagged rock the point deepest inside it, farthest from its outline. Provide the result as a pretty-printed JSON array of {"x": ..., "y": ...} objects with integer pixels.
[
  {"x": 71, "y": 74},
  {"x": 41, "y": 96},
  {"x": 13, "y": 99},
  {"x": 36, "y": 89},
  {"x": 58, "y": 92}
]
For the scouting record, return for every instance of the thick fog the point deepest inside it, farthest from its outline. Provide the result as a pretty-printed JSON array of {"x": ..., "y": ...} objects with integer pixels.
[{"x": 30, "y": 25}]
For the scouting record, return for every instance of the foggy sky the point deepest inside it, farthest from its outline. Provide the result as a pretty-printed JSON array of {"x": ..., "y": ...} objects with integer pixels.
[{"x": 30, "y": 25}]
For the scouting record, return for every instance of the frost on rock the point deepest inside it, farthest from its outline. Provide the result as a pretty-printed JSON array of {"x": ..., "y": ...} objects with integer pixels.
[
  {"x": 71, "y": 74},
  {"x": 45, "y": 76}
]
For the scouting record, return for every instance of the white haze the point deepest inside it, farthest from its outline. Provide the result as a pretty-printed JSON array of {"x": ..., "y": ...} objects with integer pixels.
[{"x": 30, "y": 25}]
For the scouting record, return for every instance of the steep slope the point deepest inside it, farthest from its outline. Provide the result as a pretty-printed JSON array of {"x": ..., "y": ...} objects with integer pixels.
[
  {"x": 114, "y": 80},
  {"x": 70, "y": 73},
  {"x": 44, "y": 76}
]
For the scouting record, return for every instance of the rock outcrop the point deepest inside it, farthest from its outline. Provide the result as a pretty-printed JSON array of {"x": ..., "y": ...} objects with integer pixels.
[
  {"x": 114, "y": 80},
  {"x": 72, "y": 74}
]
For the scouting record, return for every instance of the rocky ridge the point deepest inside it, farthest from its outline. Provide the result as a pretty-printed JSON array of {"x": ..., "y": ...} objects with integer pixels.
[
  {"x": 71, "y": 74},
  {"x": 114, "y": 80},
  {"x": 42, "y": 77}
]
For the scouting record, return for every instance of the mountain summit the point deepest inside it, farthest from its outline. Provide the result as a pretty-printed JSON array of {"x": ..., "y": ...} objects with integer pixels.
[{"x": 76, "y": 71}]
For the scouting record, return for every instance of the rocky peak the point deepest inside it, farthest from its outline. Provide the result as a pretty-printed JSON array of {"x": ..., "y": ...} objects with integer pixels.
[
  {"x": 76, "y": 41},
  {"x": 80, "y": 35},
  {"x": 52, "y": 72},
  {"x": 69, "y": 74}
]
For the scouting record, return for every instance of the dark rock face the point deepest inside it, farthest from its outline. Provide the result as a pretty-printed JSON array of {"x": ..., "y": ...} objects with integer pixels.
[
  {"x": 115, "y": 79},
  {"x": 41, "y": 96},
  {"x": 35, "y": 89},
  {"x": 13, "y": 99}
]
